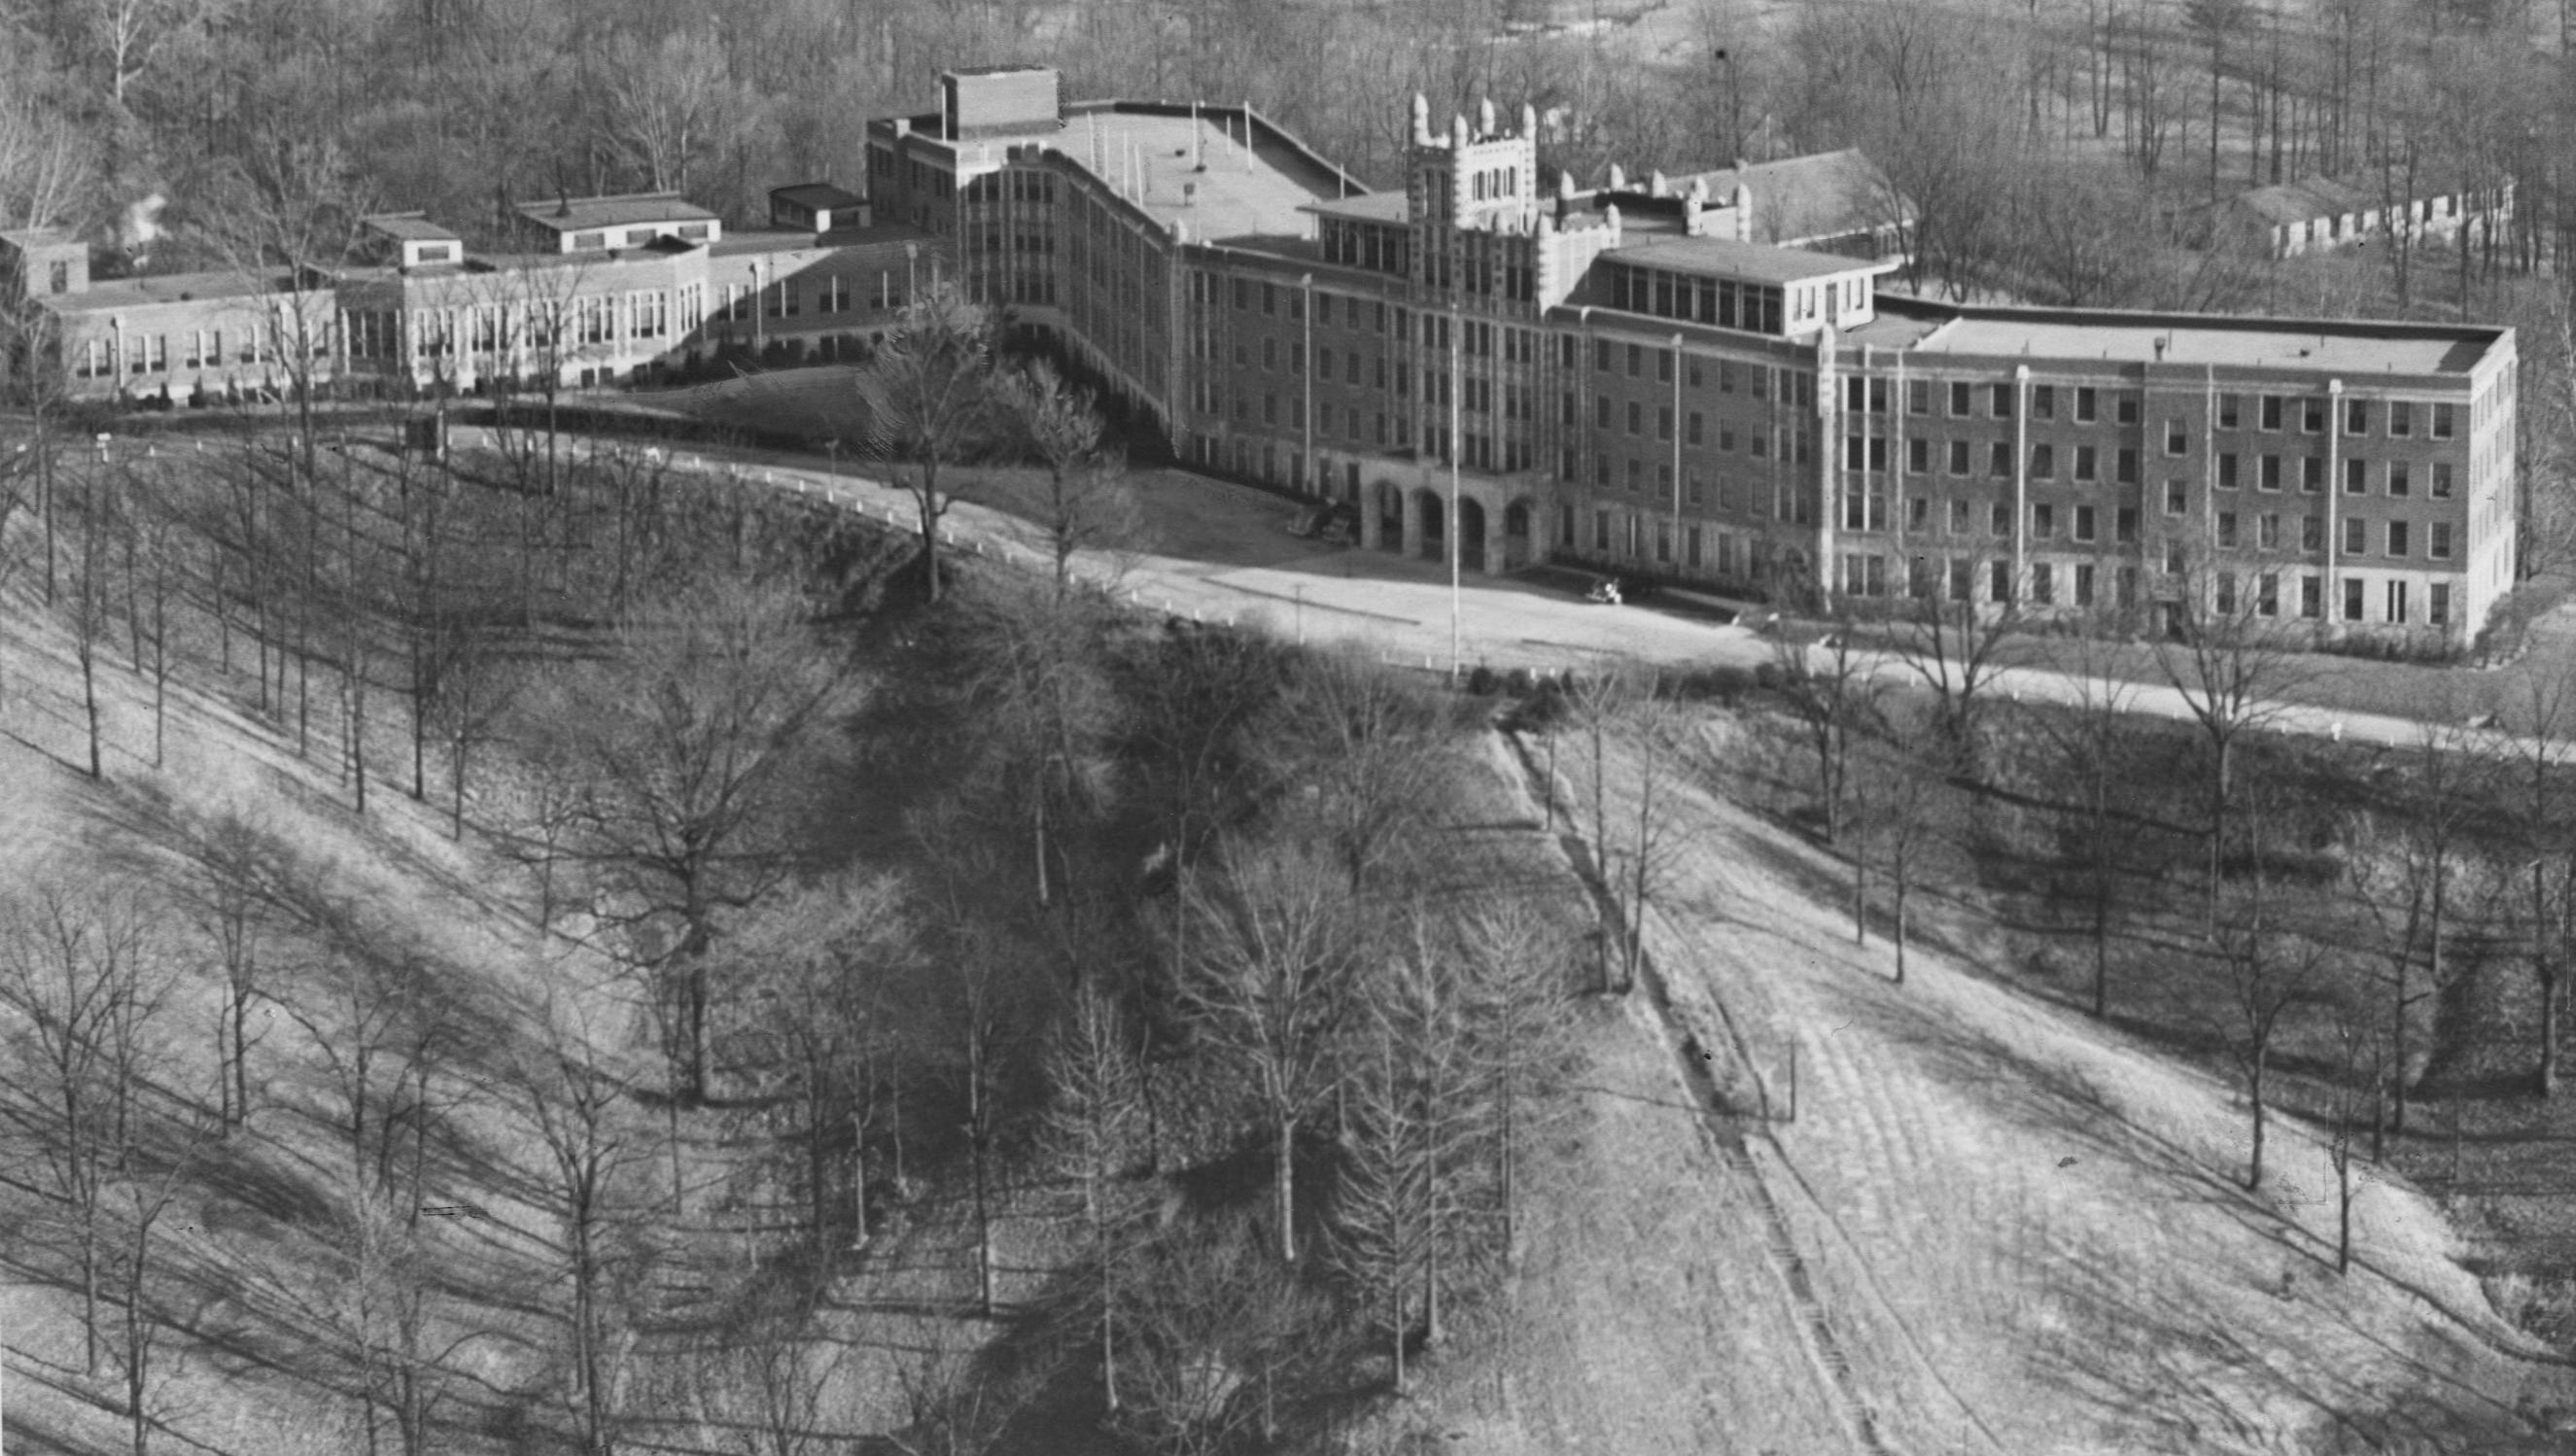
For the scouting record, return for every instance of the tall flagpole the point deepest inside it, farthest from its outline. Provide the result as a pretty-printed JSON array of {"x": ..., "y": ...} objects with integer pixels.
[{"x": 1457, "y": 384}]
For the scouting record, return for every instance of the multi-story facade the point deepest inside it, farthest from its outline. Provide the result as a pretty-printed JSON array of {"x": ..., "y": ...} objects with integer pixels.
[
  {"x": 613, "y": 289},
  {"x": 1635, "y": 376}
]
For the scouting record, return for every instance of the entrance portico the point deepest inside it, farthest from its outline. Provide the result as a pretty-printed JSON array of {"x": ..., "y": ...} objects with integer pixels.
[{"x": 1405, "y": 510}]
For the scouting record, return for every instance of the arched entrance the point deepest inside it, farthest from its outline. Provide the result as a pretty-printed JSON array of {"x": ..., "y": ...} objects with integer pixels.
[
  {"x": 1389, "y": 509},
  {"x": 1471, "y": 534},
  {"x": 1428, "y": 507},
  {"x": 1517, "y": 551}
]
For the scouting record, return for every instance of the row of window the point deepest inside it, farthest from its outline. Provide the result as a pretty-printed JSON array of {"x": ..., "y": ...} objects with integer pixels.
[{"x": 2397, "y": 418}]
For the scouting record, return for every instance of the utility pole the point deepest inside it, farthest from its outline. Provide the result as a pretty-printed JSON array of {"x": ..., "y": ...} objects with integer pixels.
[
  {"x": 1674, "y": 560},
  {"x": 1312, "y": 470},
  {"x": 1456, "y": 383},
  {"x": 1734, "y": 105}
]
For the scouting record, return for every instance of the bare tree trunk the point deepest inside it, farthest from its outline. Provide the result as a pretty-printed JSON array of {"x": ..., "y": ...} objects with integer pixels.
[{"x": 1284, "y": 1187}]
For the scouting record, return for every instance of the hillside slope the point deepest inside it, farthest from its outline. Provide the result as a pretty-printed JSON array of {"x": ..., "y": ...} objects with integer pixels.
[{"x": 1991, "y": 1226}]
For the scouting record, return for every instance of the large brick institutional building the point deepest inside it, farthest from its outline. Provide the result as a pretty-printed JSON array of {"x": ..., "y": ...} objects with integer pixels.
[
  {"x": 1632, "y": 376},
  {"x": 1638, "y": 375}
]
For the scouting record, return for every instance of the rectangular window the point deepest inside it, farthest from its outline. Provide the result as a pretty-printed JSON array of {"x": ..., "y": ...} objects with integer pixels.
[
  {"x": 1918, "y": 397},
  {"x": 2396, "y": 601},
  {"x": 2401, "y": 419},
  {"x": 2442, "y": 416},
  {"x": 1999, "y": 582},
  {"x": 2271, "y": 412},
  {"x": 2267, "y": 594},
  {"x": 2398, "y": 482},
  {"x": 2437, "y": 605},
  {"x": 2226, "y": 594},
  {"x": 2086, "y": 402},
  {"x": 2311, "y": 598},
  {"x": 2312, "y": 416},
  {"x": 1664, "y": 422},
  {"x": 2227, "y": 529},
  {"x": 2002, "y": 401},
  {"x": 2043, "y": 462},
  {"x": 1958, "y": 457},
  {"x": 2084, "y": 521},
  {"x": 2312, "y": 473},
  {"x": 1636, "y": 360},
  {"x": 1918, "y": 456},
  {"x": 2441, "y": 480},
  {"x": 2177, "y": 438},
  {"x": 1636, "y": 418},
  {"x": 2312, "y": 533},
  {"x": 2000, "y": 520},
  {"x": 2397, "y": 542},
  {"x": 2227, "y": 471},
  {"x": 2227, "y": 412},
  {"x": 2043, "y": 522},
  {"x": 2438, "y": 543},
  {"x": 1959, "y": 405},
  {"x": 2125, "y": 526},
  {"x": 2356, "y": 417},
  {"x": 2043, "y": 584},
  {"x": 2127, "y": 471},
  {"x": 2356, "y": 477},
  {"x": 2043, "y": 401},
  {"x": 2356, "y": 536},
  {"x": 1600, "y": 530},
  {"x": 1999, "y": 460},
  {"x": 2128, "y": 410},
  {"x": 2177, "y": 498},
  {"x": 1958, "y": 517},
  {"x": 2086, "y": 460},
  {"x": 2084, "y": 584}
]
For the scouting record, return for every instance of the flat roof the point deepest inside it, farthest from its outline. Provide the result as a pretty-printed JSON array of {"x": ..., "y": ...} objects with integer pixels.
[
  {"x": 2327, "y": 346},
  {"x": 581, "y": 214},
  {"x": 411, "y": 226},
  {"x": 1752, "y": 262},
  {"x": 1239, "y": 191},
  {"x": 1368, "y": 207},
  {"x": 819, "y": 195},
  {"x": 164, "y": 288}
]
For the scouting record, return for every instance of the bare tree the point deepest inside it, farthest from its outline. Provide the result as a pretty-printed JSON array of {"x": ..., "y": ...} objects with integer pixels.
[
  {"x": 575, "y": 1101},
  {"x": 2403, "y": 869},
  {"x": 2270, "y": 965},
  {"x": 1089, "y": 502},
  {"x": 1209, "y": 1324},
  {"x": 2231, "y": 665},
  {"x": 1360, "y": 744},
  {"x": 1835, "y": 696},
  {"x": 1900, "y": 795},
  {"x": 688, "y": 738},
  {"x": 1402, "y": 1211},
  {"x": 2534, "y": 791},
  {"x": 1092, "y": 1121},
  {"x": 1954, "y": 644},
  {"x": 2094, "y": 757},
  {"x": 81, "y": 966},
  {"x": 1278, "y": 951},
  {"x": 929, "y": 395},
  {"x": 1517, "y": 963}
]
